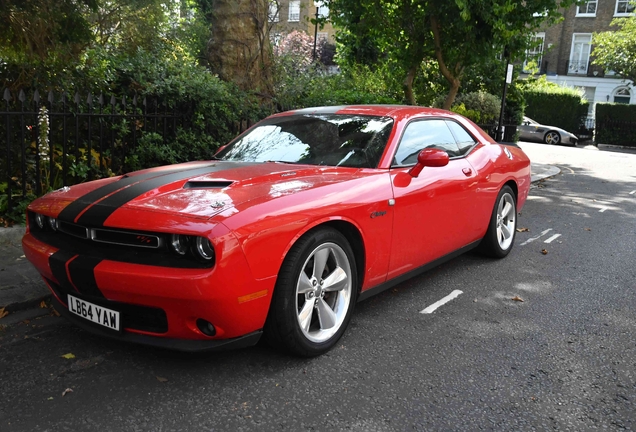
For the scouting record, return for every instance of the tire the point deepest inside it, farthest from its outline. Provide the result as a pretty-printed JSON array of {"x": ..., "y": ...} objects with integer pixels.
[
  {"x": 552, "y": 137},
  {"x": 311, "y": 307},
  {"x": 502, "y": 228}
]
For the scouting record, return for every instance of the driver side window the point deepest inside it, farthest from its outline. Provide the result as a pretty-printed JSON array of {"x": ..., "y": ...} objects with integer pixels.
[{"x": 425, "y": 134}]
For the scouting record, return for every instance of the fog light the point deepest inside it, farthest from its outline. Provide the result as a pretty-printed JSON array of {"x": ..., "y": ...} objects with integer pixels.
[
  {"x": 204, "y": 248},
  {"x": 206, "y": 327},
  {"x": 179, "y": 243},
  {"x": 40, "y": 220},
  {"x": 52, "y": 223}
]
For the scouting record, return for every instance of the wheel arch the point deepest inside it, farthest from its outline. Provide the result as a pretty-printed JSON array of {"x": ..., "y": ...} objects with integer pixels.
[
  {"x": 350, "y": 231},
  {"x": 514, "y": 187}
]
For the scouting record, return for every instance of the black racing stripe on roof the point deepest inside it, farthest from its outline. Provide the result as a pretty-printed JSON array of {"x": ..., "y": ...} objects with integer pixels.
[
  {"x": 74, "y": 209},
  {"x": 97, "y": 214}
]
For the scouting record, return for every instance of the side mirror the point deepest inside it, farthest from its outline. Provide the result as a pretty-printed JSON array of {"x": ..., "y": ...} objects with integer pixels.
[{"x": 429, "y": 157}]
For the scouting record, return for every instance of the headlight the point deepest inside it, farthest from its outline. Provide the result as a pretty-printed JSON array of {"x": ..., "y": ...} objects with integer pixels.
[
  {"x": 204, "y": 249},
  {"x": 179, "y": 243},
  {"x": 40, "y": 220},
  {"x": 52, "y": 223}
]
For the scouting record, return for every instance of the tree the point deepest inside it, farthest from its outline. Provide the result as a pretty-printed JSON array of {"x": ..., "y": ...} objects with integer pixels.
[
  {"x": 239, "y": 47},
  {"x": 616, "y": 50},
  {"x": 457, "y": 34}
]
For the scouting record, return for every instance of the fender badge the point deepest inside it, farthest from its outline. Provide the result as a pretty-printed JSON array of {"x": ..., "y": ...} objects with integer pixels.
[
  {"x": 377, "y": 214},
  {"x": 217, "y": 204},
  {"x": 507, "y": 152}
]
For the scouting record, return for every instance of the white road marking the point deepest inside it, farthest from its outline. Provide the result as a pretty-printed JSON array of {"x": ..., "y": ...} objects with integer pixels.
[
  {"x": 551, "y": 239},
  {"x": 441, "y": 302},
  {"x": 632, "y": 192},
  {"x": 602, "y": 210},
  {"x": 530, "y": 240}
]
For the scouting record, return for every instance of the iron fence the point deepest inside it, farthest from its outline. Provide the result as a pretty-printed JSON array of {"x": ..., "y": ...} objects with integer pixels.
[{"x": 59, "y": 140}]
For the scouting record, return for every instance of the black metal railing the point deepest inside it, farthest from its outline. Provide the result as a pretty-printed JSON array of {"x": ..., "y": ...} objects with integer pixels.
[{"x": 61, "y": 140}]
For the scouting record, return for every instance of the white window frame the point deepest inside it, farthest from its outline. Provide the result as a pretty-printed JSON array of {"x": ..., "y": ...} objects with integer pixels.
[
  {"x": 273, "y": 14},
  {"x": 587, "y": 14},
  {"x": 536, "y": 55},
  {"x": 623, "y": 14},
  {"x": 618, "y": 89},
  {"x": 578, "y": 70},
  {"x": 294, "y": 11}
]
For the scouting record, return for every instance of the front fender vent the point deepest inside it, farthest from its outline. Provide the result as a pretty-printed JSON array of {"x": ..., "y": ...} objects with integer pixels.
[{"x": 207, "y": 184}]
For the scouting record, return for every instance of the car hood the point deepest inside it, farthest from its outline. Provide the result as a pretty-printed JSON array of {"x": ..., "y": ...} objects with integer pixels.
[{"x": 200, "y": 189}]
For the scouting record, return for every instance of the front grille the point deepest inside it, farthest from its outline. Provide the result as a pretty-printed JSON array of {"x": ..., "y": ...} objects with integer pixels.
[
  {"x": 125, "y": 238},
  {"x": 135, "y": 317},
  {"x": 72, "y": 229},
  {"x": 116, "y": 237}
]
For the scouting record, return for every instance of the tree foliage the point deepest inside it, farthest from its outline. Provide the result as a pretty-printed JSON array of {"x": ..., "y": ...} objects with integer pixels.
[
  {"x": 616, "y": 50},
  {"x": 456, "y": 34}
]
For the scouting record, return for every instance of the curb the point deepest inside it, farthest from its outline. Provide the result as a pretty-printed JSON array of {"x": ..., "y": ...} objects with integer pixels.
[{"x": 543, "y": 172}]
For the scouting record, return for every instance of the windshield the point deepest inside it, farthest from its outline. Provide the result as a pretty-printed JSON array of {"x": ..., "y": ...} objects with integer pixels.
[{"x": 321, "y": 139}]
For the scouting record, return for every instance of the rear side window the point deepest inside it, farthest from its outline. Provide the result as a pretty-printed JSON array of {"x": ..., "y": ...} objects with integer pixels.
[
  {"x": 425, "y": 134},
  {"x": 464, "y": 140}
]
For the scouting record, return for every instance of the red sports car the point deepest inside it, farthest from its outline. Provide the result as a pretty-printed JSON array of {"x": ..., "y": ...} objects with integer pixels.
[{"x": 291, "y": 224}]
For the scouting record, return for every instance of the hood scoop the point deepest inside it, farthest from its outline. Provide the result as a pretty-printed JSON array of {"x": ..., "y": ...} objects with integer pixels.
[{"x": 207, "y": 184}]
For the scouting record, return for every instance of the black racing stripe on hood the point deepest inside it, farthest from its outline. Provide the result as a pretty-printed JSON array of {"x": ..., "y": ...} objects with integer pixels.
[
  {"x": 74, "y": 209},
  {"x": 98, "y": 213},
  {"x": 82, "y": 274}
]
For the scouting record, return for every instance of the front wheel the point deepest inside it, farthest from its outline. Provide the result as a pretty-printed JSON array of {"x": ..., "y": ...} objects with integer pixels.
[
  {"x": 314, "y": 295},
  {"x": 552, "y": 137},
  {"x": 502, "y": 228}
]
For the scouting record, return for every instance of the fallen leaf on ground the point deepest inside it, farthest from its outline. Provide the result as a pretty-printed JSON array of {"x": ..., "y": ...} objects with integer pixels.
[
  {"x": 588, "y": 229},
  {"x": 517, "y": 298},
  {"x": 56, "y": 313},
  {"x": 43, "y": 305},
  {"x": 69, "y": 356},
  {"x": 523, "y": 229},
  {"x": 162, "y": 379},
  {"x": 544, "y": 251},
  {"x": 51, "y": 398},
  {"x": 3, "y": 313},
  {"x": 68, "y": 390}
]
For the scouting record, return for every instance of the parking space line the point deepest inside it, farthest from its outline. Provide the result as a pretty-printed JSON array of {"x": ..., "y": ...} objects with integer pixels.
[
  {"x": 602, "y": 210},
  {"x": 441, "y": 302},
  {"x": 551, "y": 239},
  {"x": 632, "y": 192},
  {"x": 530, "y": 240}
]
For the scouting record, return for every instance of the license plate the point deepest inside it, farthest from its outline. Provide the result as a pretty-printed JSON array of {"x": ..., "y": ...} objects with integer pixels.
[{"x": 97, "y": 314}]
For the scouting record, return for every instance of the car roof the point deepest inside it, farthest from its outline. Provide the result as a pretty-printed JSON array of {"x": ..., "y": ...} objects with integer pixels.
[{"x": 372, "y": 110}]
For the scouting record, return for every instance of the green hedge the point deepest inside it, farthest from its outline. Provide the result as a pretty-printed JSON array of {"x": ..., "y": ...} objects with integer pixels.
[
  {"x": 615, "y": 124},
  {"x": 554, "y": 107}
]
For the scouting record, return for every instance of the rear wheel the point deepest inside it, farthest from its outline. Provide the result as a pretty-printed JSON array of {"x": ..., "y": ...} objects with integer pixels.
[
  {"x": 552, "y": 137},
  {"x": 502, "y": 229},
  {"x": 315, "y": 294}
]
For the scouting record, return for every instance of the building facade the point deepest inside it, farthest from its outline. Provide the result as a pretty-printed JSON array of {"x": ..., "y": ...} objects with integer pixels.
[
  {"x": 563, "y": 52},
  {"x": 286, "y": 16}
]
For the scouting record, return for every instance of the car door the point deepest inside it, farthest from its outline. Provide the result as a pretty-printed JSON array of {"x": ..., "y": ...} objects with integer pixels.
[{"x": 432, "y": 210}]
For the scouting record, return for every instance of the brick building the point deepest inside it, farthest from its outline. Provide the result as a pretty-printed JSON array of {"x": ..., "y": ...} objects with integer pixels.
[
  {"x": 286, "y": 16},
  {"x": 563, "y": 51}
]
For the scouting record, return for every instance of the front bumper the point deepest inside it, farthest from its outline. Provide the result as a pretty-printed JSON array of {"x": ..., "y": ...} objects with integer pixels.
[{"x": 160, "y": 306}]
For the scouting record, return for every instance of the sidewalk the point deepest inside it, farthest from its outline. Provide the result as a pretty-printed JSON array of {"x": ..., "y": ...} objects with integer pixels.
[{"x": 21, "y": 286}]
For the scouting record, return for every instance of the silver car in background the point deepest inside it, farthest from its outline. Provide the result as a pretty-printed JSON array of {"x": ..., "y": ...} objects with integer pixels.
[{"x": 530, "y": 130}]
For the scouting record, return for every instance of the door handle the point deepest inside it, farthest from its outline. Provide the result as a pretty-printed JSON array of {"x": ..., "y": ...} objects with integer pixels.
[{"x": 467, "y": 172}]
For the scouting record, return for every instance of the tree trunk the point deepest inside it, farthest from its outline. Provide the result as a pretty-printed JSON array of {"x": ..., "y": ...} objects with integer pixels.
[
  {"x": 451, "y": 76},
  {"x": 408, "y": 85},
  {"x": 239, "y": 49}
]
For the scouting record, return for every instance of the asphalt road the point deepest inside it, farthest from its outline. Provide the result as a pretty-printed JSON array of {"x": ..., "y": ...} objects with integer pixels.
[{"x": 564, "y": 358}]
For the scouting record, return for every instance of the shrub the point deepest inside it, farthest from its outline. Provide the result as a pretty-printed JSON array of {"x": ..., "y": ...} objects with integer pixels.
[
  {"x": 554, "y": 105},
  {"x": 615, "y": 124},
  {"x": 479, "y": 106}
]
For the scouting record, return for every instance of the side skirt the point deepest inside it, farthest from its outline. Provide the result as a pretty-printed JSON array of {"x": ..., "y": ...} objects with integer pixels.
[{"x": 395, "y": 281}]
